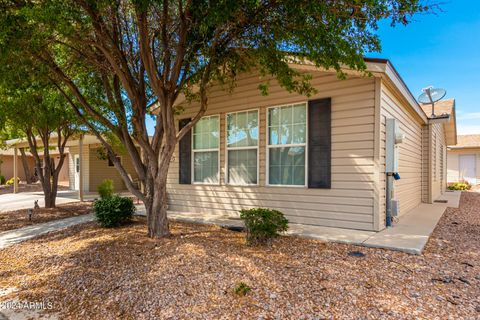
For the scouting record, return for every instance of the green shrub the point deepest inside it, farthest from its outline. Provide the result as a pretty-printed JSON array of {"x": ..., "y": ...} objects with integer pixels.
[
  {"x": 2, "y": 180},
  {"x": 262, "y": 224},
  {"x": 106, "y": 189},
  {"x": 242, "y": 289},
  {"x": 113, "y": 211},
  {"x": 10, "y": 181},
  {"x": 463, "y": 185}
]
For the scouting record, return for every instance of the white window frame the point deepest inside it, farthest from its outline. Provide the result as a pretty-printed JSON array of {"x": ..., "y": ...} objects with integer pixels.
[
  {"x": 268, "y": 146},
  {"x": 227, "y": 148},
  {"x": 192, "y": 166}
]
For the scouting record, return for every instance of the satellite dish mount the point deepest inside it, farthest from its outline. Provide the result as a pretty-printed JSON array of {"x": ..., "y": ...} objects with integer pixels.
[{"x": 430, "y": 96}]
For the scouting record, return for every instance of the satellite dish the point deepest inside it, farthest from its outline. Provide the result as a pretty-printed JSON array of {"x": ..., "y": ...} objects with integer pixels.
[{"x": 431, "y": 95}]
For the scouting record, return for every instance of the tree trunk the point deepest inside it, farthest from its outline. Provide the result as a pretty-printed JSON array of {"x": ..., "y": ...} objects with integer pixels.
[
  {"x": 156, "y": 207},
  {"x": 26, "y": 169},
  {"x": 49, "y": 183}
]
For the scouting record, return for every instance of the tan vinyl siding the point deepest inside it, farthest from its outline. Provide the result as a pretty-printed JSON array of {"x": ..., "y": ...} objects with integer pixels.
[
  {"x": 439, "y": 174},
  {"x": 348, "y": 204},
  {"x": 86, "y": 167},
  {"x": 425, "y": 164},
  {"x": 99, "y": 170},
  {"x": 408, "y": 189}
]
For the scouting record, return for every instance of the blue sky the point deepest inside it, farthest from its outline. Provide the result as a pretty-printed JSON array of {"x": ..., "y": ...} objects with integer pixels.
[{"x": 442, "y": 50}]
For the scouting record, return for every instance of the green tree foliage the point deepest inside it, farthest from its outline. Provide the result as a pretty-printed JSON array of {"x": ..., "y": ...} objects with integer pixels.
[
  {"x": 112, "y": 59},
  {"x": 33, "y": 109}
]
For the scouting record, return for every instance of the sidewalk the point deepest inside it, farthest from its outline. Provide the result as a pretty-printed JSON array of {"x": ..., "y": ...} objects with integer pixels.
[
  {"x": 8, "y": 238},
  {"x": 409, "y": 235}
]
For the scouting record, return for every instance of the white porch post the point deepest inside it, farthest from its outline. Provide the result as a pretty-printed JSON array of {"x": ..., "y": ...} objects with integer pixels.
[
  {"x": 15, "y": 170},
  {"x": 80, "y": 159}
]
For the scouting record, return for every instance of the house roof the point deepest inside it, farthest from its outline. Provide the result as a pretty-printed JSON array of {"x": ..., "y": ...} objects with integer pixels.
[
  {"x": 11, "y": 152},
  {"x": 441, "y": 107},
  {"x": 467, "y": 141},
  {"x": 444, "y": 108},
  {"x": 377, "y": 66}
]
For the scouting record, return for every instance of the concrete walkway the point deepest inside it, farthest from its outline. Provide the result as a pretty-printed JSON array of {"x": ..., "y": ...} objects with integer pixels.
[
  {"x": 409, "y": 235},
  {"x": 8, "y": 238},
  {"x": 24, "y": 200}
]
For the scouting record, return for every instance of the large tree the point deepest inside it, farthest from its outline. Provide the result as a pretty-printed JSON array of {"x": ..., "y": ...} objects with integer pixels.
[
  {"x": 38, "y": 113},
  {"x": 111, "y": 59}
]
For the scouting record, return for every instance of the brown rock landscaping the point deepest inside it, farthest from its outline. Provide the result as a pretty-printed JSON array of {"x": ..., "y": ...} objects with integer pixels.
[{"x": 93, "y": 273}]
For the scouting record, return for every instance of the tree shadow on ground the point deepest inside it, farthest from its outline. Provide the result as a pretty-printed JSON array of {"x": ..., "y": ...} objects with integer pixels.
[{"x": 110, "y": 273}]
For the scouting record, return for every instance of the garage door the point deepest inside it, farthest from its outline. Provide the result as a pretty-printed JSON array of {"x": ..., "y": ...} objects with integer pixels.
[{"x": 467, "y": 168}]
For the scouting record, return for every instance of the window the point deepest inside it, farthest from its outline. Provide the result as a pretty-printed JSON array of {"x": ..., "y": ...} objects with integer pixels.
[
  {"x": 206, "y": 142},
  {"x": 286, "y": 147},
  {"x": 242, "y": 147},
  {"x": 110, "y": 162}
]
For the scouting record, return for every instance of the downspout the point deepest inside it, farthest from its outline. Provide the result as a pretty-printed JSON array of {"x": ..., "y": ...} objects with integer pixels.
[{"x": 388, "y": 204}]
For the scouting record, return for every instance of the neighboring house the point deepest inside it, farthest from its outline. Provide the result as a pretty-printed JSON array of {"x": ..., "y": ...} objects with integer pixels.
[
  {"x": 91, "y": 164},
  {"x": 6, "y": 165},
  {"x": 320, "y": 160},
  {"x": 464, "y": 160},
  {"x": 7, "y": 159},
  {"x": 96, "y": 166}
]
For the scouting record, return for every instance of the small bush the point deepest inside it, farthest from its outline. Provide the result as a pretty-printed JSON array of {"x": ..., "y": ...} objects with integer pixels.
[
  {"x": 113, "y": 211},
  {"x": 262, "y": 225},
  {"x": 2, "y": 180},
  {"x": 464, "y": 185},
  {"x": 10, "y": 181},
  {"x": 242, "y": 289},
  {"x": 106, "y": 189}
]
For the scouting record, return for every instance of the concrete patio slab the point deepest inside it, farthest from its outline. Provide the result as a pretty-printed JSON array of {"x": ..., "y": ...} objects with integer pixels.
[{"x": 452, "y": 197}]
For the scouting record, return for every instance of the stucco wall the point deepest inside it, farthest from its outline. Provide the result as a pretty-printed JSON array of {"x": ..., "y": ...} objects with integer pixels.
[{"x": 6, "y": 166}]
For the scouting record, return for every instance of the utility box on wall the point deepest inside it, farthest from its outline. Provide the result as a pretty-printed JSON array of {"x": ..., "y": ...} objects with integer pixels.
[{"x": 393, "y": 137}]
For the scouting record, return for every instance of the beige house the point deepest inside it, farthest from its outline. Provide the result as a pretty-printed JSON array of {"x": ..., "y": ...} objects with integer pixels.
[
  {"x": 327, "y": 160},
  {"x": 96, "y": 166},
  {"x": 84, "y": 169},
  {"x": 7, "y": 158},
  {"x": 464, "y": 160},
  {"x": 320, "y": 160}
]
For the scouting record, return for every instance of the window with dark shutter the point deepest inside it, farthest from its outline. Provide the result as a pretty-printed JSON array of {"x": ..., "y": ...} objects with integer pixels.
[
  {"x": 185, "y": 155},
  {"x": 319, "y": 143}
]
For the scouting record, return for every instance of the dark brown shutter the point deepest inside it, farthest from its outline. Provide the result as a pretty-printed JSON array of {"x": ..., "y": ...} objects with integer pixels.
[
  {"x": 319, "y": 143},
  {"x": 185, "y": 155}
]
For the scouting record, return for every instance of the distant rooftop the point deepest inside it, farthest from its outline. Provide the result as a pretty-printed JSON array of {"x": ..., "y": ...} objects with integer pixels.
[{"x": 467, "y": 141}]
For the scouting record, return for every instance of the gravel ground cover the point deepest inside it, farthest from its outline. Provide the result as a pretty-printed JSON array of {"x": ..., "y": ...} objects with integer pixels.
[
  {"x": 19, "y": 218},
  {"x": 93, "y": 273}
]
